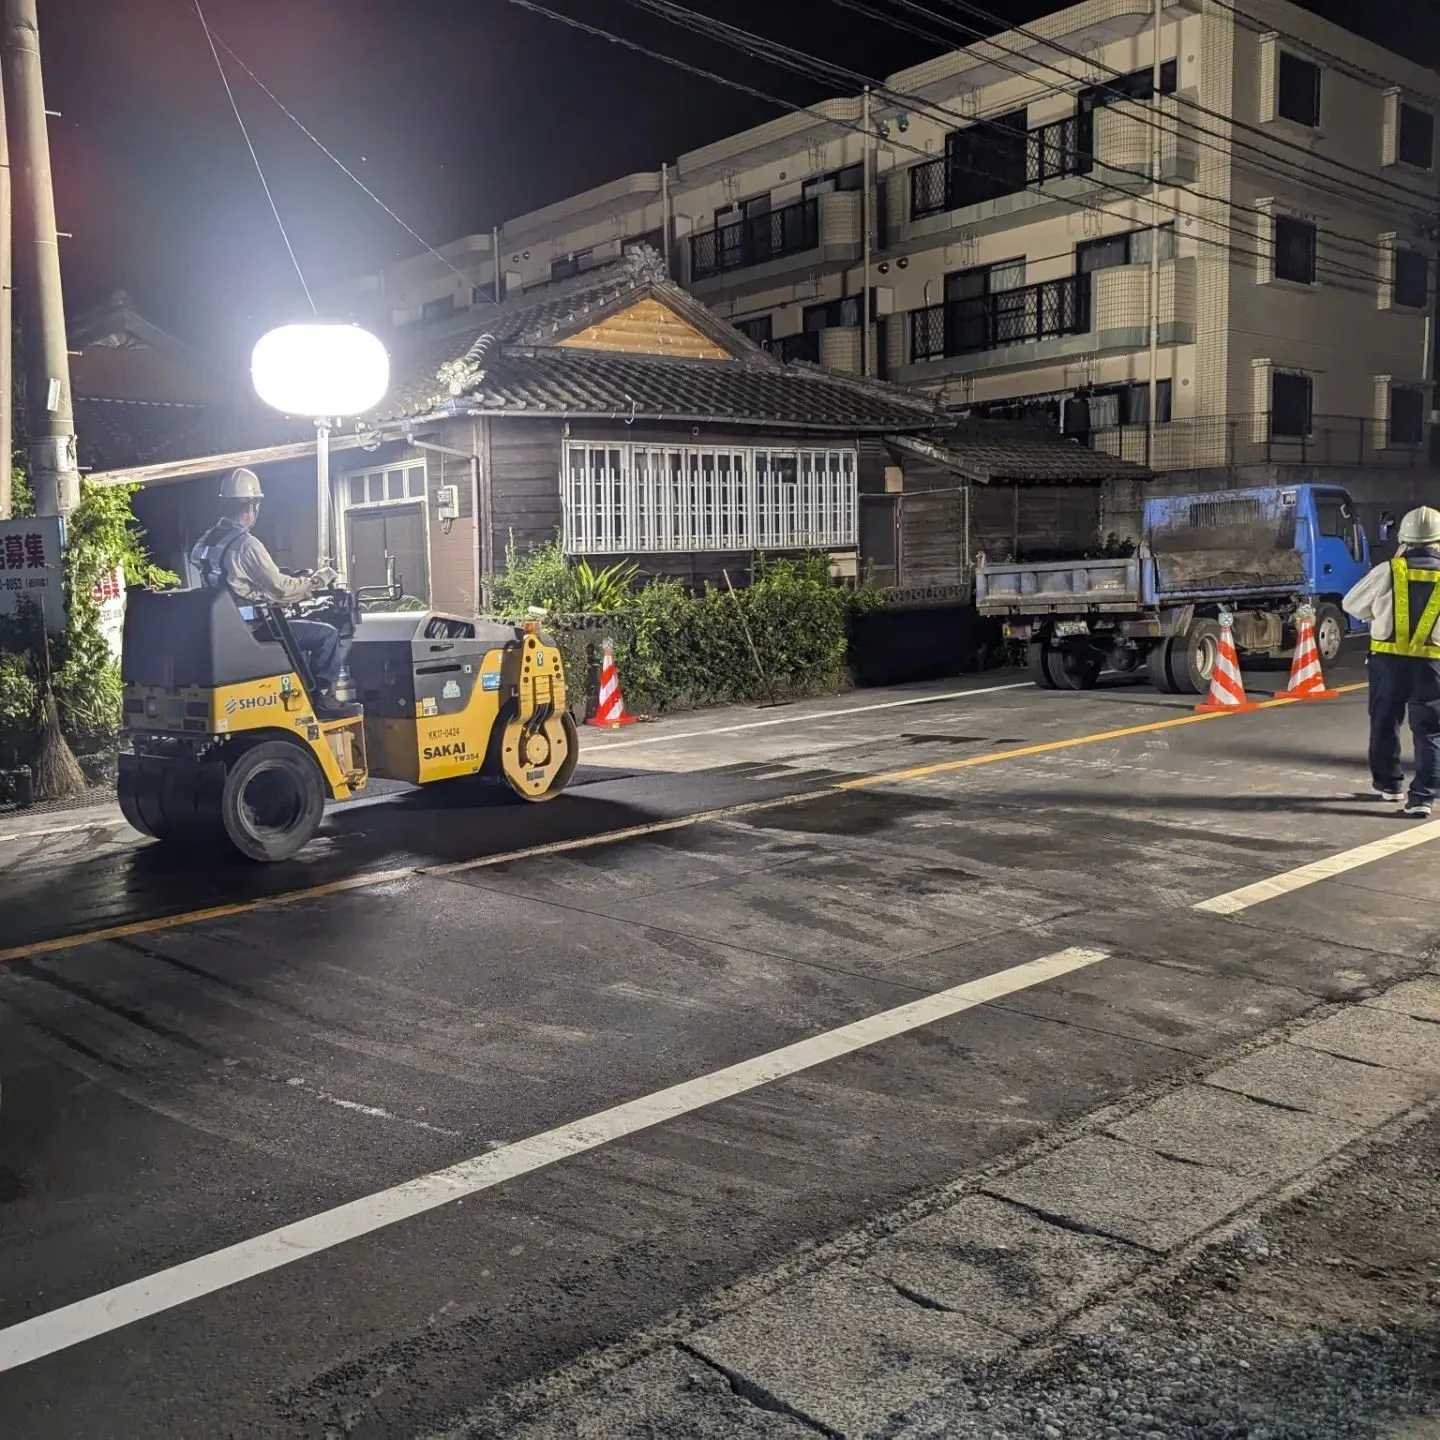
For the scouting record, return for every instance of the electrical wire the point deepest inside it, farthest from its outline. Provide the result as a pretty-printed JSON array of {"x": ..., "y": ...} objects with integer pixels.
[
  {"x": 1368, "y": 281},
  {"x": 1233, "y": 150},
  {"x": 250, "y": 145},
  {"x": 759, "y": 47},
  {"x": 990, "y": 17},
  {"x": 345, "y": 169},
  {"x": 1258, "y": 26}
]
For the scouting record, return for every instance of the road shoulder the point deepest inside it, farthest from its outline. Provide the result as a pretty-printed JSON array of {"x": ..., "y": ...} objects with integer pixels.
[{"x": 1249, "y": 1252}]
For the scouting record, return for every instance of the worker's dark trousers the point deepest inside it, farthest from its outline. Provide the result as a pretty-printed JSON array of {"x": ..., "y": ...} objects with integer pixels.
[
  {"x": 323, "y": 650},
  {"x": 1401, "y": 688}
]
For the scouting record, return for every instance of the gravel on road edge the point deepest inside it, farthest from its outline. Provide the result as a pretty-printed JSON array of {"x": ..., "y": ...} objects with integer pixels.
[{"x": 1318, "y": 1321}]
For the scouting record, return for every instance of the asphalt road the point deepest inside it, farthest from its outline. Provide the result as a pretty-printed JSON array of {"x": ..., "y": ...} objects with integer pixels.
[{"x": 412, "y": 997}]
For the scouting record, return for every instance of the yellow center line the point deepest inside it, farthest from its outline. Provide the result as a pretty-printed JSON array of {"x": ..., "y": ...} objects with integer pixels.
[
  {"x": 944, "y": 767},
  {"x": 610, "y": 837}
]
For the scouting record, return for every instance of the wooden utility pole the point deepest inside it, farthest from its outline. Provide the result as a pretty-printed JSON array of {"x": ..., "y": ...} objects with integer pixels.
[{"x": 54, "y": 471}]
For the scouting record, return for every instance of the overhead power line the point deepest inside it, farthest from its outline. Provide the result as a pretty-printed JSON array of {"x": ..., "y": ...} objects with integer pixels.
[
  {"x": 1368, "y": 281},
  {"x": 250, "y": 145},
  {"x": 345, "y": 169},
  {"x": 801, "y": 62},
  {"x": 1280, "y": 141},
  {"x": 1234, "y": 151}
]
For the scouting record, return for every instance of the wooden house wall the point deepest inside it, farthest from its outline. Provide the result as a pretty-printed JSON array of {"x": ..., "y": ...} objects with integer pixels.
[
  {"x": 1036, "y": 521},
  {"x": 452, "y": 556}
]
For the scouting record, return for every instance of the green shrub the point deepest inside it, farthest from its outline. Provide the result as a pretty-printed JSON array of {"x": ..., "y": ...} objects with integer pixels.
[
  {"x": 543, "y": 578},
  {"x": 678, "y": 650},
  {"x": 100, "y": 534}
]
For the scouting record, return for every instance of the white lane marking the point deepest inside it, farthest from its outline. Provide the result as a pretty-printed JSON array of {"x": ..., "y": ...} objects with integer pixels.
[
  {"x": 64, "y": 830},
  {"x": 604, "y": 747},
  {"x": 84, "y": 1320},
  {"x": 1317, "y": 870},
  {"x": 373, "y": 1111}
]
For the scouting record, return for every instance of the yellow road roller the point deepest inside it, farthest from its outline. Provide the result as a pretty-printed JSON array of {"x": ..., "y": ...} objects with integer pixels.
[{"x": 223, "y": 742}]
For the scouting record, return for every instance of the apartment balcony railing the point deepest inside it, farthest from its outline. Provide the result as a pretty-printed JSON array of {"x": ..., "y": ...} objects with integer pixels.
[
  {"x": 1342, "y": 441},
  {"x": 939, "y": 186},
  {"x": 755, "y": 239},
  {"x": 804, "y": 346},
  {"x": 1008, "y": 317}
]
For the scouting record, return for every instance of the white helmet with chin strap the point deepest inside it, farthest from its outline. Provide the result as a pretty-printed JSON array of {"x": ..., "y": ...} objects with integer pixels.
[
  {"x": 1420, "y": 527},
  {"x": 245, "y": 485}
]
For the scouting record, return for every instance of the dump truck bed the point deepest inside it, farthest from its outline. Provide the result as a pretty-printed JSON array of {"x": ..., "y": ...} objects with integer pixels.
[{"x": 1060, "y": 586}]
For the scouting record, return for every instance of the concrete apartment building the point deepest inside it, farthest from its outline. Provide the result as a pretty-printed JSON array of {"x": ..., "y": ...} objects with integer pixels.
[{"x": 1013, "y": 191}]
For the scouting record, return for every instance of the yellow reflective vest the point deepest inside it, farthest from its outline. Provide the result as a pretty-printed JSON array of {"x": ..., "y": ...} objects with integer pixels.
[{"x": 1412, "y": 641}]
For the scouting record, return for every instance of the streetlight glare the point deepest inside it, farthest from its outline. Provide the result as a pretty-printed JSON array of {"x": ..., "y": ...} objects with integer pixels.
[{"x": 322, "y": 371}]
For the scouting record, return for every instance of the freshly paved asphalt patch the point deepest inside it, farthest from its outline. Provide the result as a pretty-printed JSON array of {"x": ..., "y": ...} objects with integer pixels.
[{"x": 174, "y": 1093}]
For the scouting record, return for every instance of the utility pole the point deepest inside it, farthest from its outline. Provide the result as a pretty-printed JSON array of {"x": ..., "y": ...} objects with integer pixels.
[
  {"x": 7, "y": 325},
  {"x": 54, "y": 471},
  {"x": 867, "y": 214},
  {"x": 1156, "y": 153}
]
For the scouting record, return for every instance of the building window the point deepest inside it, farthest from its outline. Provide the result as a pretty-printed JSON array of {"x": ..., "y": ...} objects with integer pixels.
[
  {"x": 652, "y": 239},
  {"x": 1412, "y": 278},
  {"x": 1292, "y": 408},
  {"x": 1407, "y": 415},
  {"x": 647, "y": 499},
  {"x": 838, "y": 314},
  {"x": 437, "y": 309},
  {"x": 482, "y": 295},
  {"x": 1294, "y": 250},
  {"x": 570, "y": 265},
  {"x": 1298, "y": 96},
  {"x": 852, "y": 177},
  {"x": 757, "y": 328},
  {"x": 1130, "y": 248},
  {"x": 1119, "y": 405},
  {"x": 1416, "y": 143},
  {"x": 392, "y": 485},
  {"x": 986, "y": 160}
]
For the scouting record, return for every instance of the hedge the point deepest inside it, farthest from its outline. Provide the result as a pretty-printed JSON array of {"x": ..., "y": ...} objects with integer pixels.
[{"x": 681, "y": 650}]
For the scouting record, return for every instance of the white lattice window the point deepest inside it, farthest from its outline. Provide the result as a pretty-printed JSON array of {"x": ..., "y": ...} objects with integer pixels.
[
  {"x": 391, "y": 485},
  {"x": 638, "y": 499}
]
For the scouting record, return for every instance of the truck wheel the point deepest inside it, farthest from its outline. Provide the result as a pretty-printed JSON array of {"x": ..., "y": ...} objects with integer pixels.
[
  {"x": 1075, "y": 669},
  {"x": 273, "y": 801},
  {"x": 1157, "y": 662},
  {"x": 1191, "y": 657},
  {"x": 1329, "y": 632},
  {"x": 1036, "y": 653}
]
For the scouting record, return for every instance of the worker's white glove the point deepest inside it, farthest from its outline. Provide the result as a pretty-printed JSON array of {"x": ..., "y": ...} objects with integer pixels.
[{"x": 324, "y": 577}]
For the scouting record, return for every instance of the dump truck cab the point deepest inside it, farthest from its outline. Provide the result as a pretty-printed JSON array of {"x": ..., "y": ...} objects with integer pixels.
[{"x": 224, "y": 741}]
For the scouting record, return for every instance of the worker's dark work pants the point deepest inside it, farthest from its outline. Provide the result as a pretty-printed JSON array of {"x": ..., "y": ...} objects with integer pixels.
[
  {"x": 323, "y": 649},
  {"x": 1401, "y": 688}
]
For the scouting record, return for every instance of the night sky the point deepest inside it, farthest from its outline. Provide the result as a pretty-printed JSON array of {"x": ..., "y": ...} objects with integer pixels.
[{"x": 458, "y": 113}]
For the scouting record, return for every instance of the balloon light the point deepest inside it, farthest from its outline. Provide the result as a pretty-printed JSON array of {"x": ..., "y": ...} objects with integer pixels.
[{"x": 321, "y": 371}]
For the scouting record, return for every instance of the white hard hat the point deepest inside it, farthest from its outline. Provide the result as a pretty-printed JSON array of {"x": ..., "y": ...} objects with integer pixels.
[
  {"x": 245, "y": 485},
  {"x": 1420, "y": 527}
]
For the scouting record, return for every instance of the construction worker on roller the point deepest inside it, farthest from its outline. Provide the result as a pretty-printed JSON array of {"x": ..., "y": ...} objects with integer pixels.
[
  {"x": 228, "y": 556},
  {"x": 1401, "y": 602}
]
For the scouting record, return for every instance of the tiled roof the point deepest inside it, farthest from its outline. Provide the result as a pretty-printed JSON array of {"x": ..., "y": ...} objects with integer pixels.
[
  {"x": 118, "y": 434},
  {"x": 507, "y": 359},
  {"x": 1006, "y": 450},
  {"x": 552, "y": 381}
]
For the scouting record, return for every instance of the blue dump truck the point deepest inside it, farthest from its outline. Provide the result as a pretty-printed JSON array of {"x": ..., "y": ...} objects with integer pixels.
[{"x": 1259, "y": 554}]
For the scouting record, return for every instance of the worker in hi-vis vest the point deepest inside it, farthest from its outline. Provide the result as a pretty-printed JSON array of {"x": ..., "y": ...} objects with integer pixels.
[{"x": 1401, "y": 602}]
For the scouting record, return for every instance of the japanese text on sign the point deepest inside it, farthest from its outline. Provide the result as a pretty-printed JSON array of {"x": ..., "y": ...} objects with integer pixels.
[{"x": 30, "y": 567}]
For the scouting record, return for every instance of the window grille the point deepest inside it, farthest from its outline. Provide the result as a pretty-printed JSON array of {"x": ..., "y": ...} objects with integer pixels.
[{"x": 646, "y": 499}]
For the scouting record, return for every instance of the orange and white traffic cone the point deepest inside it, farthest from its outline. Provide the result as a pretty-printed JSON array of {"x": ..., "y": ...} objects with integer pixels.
[
  {"x": 1227, "y": 689},
  {"x": 610, "y": 713},
  {"x": 1307, "y": 681}
]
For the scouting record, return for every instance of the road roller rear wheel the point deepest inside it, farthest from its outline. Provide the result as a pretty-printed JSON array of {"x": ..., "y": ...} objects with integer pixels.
[
  {"x": 538, "y": 764},
  {"x": 273, "y": 800}
]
